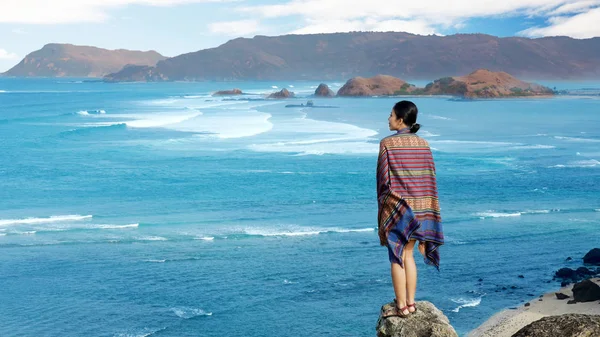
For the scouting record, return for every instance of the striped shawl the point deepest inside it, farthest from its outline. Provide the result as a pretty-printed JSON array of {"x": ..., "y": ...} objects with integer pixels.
[{"x": 407, "y": 196}]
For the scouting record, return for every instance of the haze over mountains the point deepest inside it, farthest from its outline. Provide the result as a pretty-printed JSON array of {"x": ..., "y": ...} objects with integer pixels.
[{"x": 338, "y": 56}]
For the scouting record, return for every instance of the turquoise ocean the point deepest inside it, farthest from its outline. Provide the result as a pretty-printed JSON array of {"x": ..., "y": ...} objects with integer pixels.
[{"x": 155, "y": 209}]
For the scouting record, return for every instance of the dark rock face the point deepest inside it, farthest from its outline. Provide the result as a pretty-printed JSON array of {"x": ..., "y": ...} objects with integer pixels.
[
  {"x": 427, "y": 321},
  {"x": 568, "y": 325},
  {"x": 228, "y": 92},
  {"x": 284, "y": 93},
  {"x": 583, "y": 271},
  {"x": 566, "y": 273},
  {"x": 586, "y": 291},
  {"x": 592, "y": 257},
  {"x": 562, "y": 296},
  {"x": 324, "y": 91},
  {"x": 380, "y": 85}
]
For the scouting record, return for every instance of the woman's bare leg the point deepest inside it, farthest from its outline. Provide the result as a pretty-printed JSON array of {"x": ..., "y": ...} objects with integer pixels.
[
  {"x": 410, "y": 269},
  {"x": 399, "y": 281}
]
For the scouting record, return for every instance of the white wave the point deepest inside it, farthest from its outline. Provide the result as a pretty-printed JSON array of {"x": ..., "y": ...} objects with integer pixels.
[
  {"x": 318, "y": 138},
  {"x": 187, "y": 312},
  {"x": 145, "y": 332},
  {"x": 291, "y": 86},
  {"x": 597, "y": 210},
  {"x": 473, "y": 142},
  {"x": 228, "y": 124},
  {"x": 83, "y": 113},
  {"x": 151, "y": 238},
  {"x": 579, "y": 164},
  {"x": 466, "y": 303},
  {"x": 492, "y": 214},
  {"x": 541, "y": 211},
  {"x": 205, "y": 238},
  {"x": 274, "y": 87},
  {"x": 2, "y": 234},
  {"x": 134, "y": 225},
  {"x": 428, "y": 134},
  {"x": 155, "y": 261},
  {"x": 3, "y": 91},
  {"x": 534, "y": 147},
  {"x": 23, "y": 233},
  {"x": 576, "y": 139},
  {"x": 288, "y": 282},
  {"x": 58, "y": 218},
  {"x": 302, "y": 231},
  {"x": 160, "y": 120},
  {"x": 439, "y": 117}
]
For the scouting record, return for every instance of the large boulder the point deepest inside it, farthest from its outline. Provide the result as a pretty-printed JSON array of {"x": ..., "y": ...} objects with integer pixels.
[
  {"x": 324, "y": 91},
  {"x": 284, "y": 93},
  {"x": 566, "y": 273},
  {"x": 586, "y": 291},
  {"x": 228, "y": 92},
  {"x": 380, "y": 85},
  {"x": 592, "y": 257},
  {"x": 427, "y": 321},
  {"x": 568, "y": 325}
]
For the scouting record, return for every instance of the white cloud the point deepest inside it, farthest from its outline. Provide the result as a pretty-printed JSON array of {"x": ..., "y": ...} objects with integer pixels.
[
  {"x": 73, "y": 11},
  {"x": 4, "y": 55},
  {"x": 235, "y": 28},
  {"x": 421, "y": 17},
  {"x": 584, "y": 25},
  {"x": 335, "y": 26}
]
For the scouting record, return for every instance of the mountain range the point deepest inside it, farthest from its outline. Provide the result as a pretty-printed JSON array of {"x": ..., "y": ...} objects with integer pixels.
[{"x": 336, "y": 56}]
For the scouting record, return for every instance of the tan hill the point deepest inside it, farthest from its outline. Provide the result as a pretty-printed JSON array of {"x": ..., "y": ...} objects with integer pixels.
[
  {"x": 483, "y": 83},
  {"x": 380, "y": 85},
  {"x": 340, "y": 56},
  {"x": 66, "y": 60}
]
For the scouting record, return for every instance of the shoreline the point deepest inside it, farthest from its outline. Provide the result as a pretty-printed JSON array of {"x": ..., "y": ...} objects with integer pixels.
[{"x": 507, "y": 322}]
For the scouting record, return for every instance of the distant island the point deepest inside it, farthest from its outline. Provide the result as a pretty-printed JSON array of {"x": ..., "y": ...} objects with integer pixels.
[{"x": 67, "y": 60}]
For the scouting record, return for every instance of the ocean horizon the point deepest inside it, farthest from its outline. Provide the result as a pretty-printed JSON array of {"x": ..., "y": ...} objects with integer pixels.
[{"x": 156, "y": 209}]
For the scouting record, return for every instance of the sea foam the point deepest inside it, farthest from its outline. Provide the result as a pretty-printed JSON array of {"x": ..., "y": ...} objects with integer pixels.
[{"x": 58, "y": 218}]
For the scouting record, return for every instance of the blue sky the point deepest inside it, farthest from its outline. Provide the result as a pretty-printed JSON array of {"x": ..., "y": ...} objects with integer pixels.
[{"x": 173, "y": 27}]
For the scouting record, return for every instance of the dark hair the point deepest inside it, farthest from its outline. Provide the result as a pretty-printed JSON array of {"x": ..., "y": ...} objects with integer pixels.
[{"x": 407, "y": 111}]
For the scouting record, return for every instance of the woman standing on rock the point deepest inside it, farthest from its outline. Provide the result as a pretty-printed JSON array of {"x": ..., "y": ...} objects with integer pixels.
[{"x": 408, "y": 204}]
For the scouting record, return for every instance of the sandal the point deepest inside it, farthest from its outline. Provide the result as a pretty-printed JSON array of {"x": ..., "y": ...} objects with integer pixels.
[
  {"x": 414, "y": 306},
  {"x": 395, "y": 311}
]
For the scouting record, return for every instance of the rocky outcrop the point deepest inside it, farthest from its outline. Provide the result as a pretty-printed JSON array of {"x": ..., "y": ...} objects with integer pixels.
[
  {"x": 284, "y": 93},
  {"x": 427, "y": 321},
  {"x": 586, "y": 291},
  {"x": 228, "y": 92},
  {"x": 67, "y": 60},
  {"x": 380, "y": 85},
  {"x": 139, "y": 74},
  {"x": 592, "y": 257},
  {"x": 324, "y": 91},
  {"x": 568, "y": 325},
  {"x": 483, "y": 83}
]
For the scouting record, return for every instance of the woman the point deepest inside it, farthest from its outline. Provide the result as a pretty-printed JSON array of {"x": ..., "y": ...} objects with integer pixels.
[{"x": 408, "y": 204}]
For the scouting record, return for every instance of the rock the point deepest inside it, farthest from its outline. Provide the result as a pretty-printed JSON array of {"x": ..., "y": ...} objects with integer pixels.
[
  {"x": 586, "y": 291},
  {"x": 521, "y": 276},
  {"x": 541, "y": 299},
  {"x": 530, "y": 295},
  {"x": 583, "y": 271},
  {"x": 568, "y": 325},
  {"x": 284, "y": 93},
  {"x": 592, "y": 257},
  {"x": 428, "y": 321},
  {"x": 324, "y": 91},
  {"x": 571, "y": 302},
  {"x": 513, "y": 287},
  {"x": 504, "y": 288},
  {"x": 380, "y": 85},
  {"x": 527, "y": 304},
  {"x": 569, "y": 258},
  {"x": 566, "y": 273},
  {"x": 564, "y": 284},
  {"x": 483, "y": 83},
  {"x": 562, "y": 296},
  {"x": 228, "y": 92},
  {"x": 480, "y": 280}
]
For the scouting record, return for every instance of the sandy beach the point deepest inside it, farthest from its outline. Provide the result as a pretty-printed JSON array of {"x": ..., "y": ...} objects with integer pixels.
[{"x": 508, "y": 322}]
